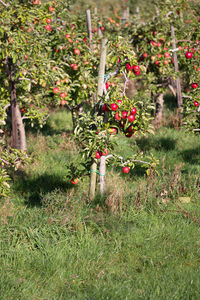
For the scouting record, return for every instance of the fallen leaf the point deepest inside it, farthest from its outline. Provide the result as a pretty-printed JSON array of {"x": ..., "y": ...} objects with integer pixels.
[{"x": 184, "y": 199}]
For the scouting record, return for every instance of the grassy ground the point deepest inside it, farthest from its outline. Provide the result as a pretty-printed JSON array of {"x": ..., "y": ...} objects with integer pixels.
[{"x": 141, "y": 241}]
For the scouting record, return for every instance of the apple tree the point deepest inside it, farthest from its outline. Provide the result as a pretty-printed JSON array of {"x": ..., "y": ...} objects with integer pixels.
[
  {"x": 27, "y": 68},
  {"x": 112, "y": 113}
]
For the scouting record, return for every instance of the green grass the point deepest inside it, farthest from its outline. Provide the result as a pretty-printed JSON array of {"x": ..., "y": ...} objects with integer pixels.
[{"x": 137, "y": 242}]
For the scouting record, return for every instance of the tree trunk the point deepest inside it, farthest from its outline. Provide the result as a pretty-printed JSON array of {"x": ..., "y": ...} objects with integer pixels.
[
  {"x": 74, "y": 113},
  {"x": 159, "y": 109},
  {"x": 18, "y": 130}
]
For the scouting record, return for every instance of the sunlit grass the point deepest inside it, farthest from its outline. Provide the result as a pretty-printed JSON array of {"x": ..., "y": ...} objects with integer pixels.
[{"x": 138, "y": 242}]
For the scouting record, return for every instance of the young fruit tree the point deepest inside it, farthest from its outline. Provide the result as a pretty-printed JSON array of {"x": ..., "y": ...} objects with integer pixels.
[{"x": 112, "y": 114}]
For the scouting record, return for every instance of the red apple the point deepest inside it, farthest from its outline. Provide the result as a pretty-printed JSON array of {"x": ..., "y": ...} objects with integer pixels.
[
  {"x": 124, "y": 114},
  {"x": 137, "y": 73},
  {"x": 56, "y": 90},
  {"x": 194, "y": 85},
  {"x": 62, "y": 95},
  {"x": 48, "y": 20},
  {"x": 133, "y": 111},
  {"x": 165, "y": 62},
  {"x": 117, "y": 117},
  {"x": 145, "y": 55},
  {"x": 74, "y": 181},
  {"x": 105, "y": 152},
  {"x": 62, "y": 102},
  {"x": 126, "y": 170},
  {"x": 36, "y": 1},
  {"x": 152, "y": 43},
  {"x": 119, "y": 101},
  {"x": 196, "y": 103},
  {"x": 67, "y": 35},
  {"x": 167, "y": 54},
  {"x": 48, "y": 27},
  {"x": 77, "y": 51},
  {"x": 131, "y": 118},
  {"x": 188, "y": 55},
  {"x": 131, "y": 129},
  {"x": 112, "y": 130},
  {"x": 136, "y": 68},
  {"x": 105, "y": 107},
  {"x": 129, "y": 67},
  {"x": 98, "y": 154},
  {"x": 51, "y": 9},
  {"x": 114, "y": 106}
]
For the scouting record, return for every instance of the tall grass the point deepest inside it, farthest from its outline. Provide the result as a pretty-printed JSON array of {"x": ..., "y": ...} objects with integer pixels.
[{"x": 139, "y": 241}]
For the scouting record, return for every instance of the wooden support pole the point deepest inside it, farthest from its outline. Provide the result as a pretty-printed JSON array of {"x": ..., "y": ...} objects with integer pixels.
[
  {"x": 89, "y": 27},
  {"x": 102, "y": 171},
  {"x": 102, "y": 65},
  {"x": 178, "y": 81},
  {"x": 100, "y": 88}
]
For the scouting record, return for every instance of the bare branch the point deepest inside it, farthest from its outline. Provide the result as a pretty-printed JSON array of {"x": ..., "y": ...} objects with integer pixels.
[
  {"x": 132, "y": 160},
  {"x": 125, "y": 83},
  {"x": 3, "y": 3},
  {"x": 4, "y": 161}
]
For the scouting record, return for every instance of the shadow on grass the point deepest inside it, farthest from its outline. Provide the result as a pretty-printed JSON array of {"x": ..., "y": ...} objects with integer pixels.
[
  {"x": 170, "y": 102},
  {"x": 191, "y": 156},
  {"x": 46, "y": 130},
  {"x": 34, "y": 190},
  {"x": 162, "y": 143}
]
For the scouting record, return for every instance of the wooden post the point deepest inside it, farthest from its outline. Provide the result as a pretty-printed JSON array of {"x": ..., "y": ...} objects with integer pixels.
[
  {"x": 93, "y": 178},
  {"x": 89, "y": 27},
  {"x": 157, "y": 12},
  {"x": 125, "y": 16},
  {"x": 138, "y": 10},
  {"x": 99, "y": 94},
  {"x": 178, "y": 81},
  {"x": 99, "y": 32},
  {"x": 102, "y": 65},
  {"x": 102, "y": 171}
]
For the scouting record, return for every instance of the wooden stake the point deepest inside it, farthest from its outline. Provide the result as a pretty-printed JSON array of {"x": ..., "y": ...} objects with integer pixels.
[
  {"x": 93, "y": 176},
  {"x": 100, "y": 88},
  {"x": 102, "y": 171},
  {"x": 89, "y": 27},
  {"x": 102, "y": 65},
  {"x": 178, "y": 81}
]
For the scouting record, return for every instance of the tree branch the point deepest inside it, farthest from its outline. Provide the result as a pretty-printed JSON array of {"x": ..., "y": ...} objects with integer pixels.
[
  {"x": 3, "y": 3},
  {"x": 4, "y": 161}
]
